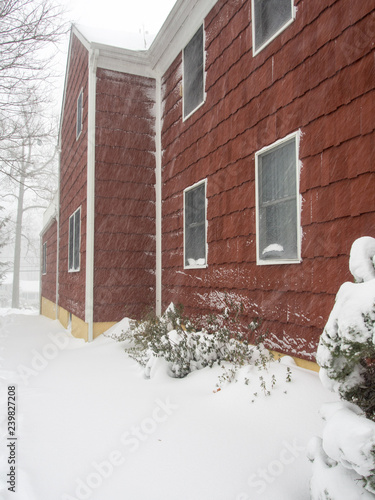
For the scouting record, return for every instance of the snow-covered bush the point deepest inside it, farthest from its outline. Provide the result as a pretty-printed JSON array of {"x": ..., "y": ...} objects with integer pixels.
[
  {"x": 346, "y": 351},
  {"x": 188, "y": 346},
  {"x": 344, "y": 459}
]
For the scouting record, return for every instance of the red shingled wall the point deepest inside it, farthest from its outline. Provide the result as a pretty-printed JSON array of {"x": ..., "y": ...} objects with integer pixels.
[
  {"x": 73, "y": 180},
  {"x": 317, "y": 76},
  {"x": 124, "y": 280},
  {"x": 48, "y": 282}
]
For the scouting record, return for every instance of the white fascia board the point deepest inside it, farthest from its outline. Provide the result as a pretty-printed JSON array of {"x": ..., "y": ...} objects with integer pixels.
[
  {"x": 50, "y": 213},
  {"x": 123, "y": 60},
  {"x": 181, "y": 24},
  {"x": 73, "y": 32},
  {"x": 65, "y": 87},
  {"x": 85, "y": 42},
  {"x": 116, "y": 58}
]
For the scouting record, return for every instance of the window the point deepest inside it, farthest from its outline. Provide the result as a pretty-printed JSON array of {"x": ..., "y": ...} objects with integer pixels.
[
  {"x": 193, "y": 73},
  {"x": 44, "y": 258},
  {"x": 278, "y": 213},
  {"x": 195, "y": 246},
  {"x": 74, "y": 240},
  {"x": 270, "y": 18},
  {"x": 79, "y": 113}
]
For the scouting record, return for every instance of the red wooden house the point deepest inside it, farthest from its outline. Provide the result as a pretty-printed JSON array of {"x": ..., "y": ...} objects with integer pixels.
[{"x": 233, "y": 158}]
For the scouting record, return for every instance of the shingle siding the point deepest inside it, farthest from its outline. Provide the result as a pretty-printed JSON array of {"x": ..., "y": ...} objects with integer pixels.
[
  {"x": 124, "y": 278},
  {"x": 316, "y": 77}
]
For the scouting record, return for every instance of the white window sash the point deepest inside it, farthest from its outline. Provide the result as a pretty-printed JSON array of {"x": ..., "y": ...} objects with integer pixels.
[
  {"x": 186, "y": 113},
  {"x": 276, "y": 246},
  {"x": 256, "y": 50},
  {"x": 74, "y": 241},
  {"x": 195, "y": 263}
]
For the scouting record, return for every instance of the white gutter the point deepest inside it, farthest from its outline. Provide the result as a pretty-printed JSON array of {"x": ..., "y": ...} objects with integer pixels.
[
  {"x": 90, "y": 220},
  {"x": 158, "y": 196}
]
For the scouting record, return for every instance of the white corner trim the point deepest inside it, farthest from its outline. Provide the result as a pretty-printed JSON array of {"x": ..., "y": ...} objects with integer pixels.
[
  {"x": 90, "y": 219},
  {"x": 158, "y": 199}
]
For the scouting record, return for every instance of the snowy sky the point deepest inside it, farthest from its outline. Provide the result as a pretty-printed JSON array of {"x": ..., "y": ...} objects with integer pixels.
[
  {"x": 130, "y": 16},
  {"x": 127, "y": 15}
]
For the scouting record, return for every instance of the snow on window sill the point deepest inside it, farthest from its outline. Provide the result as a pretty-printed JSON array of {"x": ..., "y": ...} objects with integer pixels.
[{"x": 196, "y": 264}]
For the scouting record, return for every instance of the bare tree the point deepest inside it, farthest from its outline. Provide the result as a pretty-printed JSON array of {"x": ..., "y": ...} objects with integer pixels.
[
  {"x": 29, "y": 30},
  {"x": 3, "y": 241},
  {"x": 30, "y": 177}
]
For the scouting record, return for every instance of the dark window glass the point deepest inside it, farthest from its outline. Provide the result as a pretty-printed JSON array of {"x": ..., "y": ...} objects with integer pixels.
[
  {"x": 74, "y": 240},
  {"x": 277, "y": 203},
  {"x": 193, "y": 73},
  {"x": 44, "y": 258},
  {"x": 269, "y": 17},
  {"x": 79, "y": 112},
  {"x": 195, "y": 226}
]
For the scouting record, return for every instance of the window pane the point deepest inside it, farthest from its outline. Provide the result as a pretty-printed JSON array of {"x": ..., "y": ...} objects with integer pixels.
[
  {"x": 195, "y": 226},
  {"x": 195, "y": 246},
  {"x": 270, "y": 16},
  {"x": 44, "y": 265},
  {"x": 278, "y": 174},
  {"x": 79, "y": 113},
  {"x": 193, "y": 73},
  {"x": 277, "y": 203},
  {"x": 278, "y": 231},
  {"x": 77, "y": 228},
  {"x": 71, "y": 241}
]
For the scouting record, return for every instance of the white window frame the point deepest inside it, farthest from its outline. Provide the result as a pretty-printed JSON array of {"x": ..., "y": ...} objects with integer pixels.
[
  {"x": 275, "y": 35},
  {"x": 44, "y": 258},
  {"x": 74, "y": 267},
  {"x": 79, "y": 116},
  {"x": 186, "y": 116},
  {"x": 296, "y": 137},
  {"x": 190, "y": 188}
]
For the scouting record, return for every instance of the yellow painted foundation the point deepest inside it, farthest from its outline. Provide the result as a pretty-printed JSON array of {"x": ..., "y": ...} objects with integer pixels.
[
  {"x": 79, "y": 330},
  {"x": 302, "y": 363},
  {"x": 100, "y": 328},
  {"x": 63, "y": 317},
  {"x": 48, "y": 308},
  {"x": 78, "y": 327}
]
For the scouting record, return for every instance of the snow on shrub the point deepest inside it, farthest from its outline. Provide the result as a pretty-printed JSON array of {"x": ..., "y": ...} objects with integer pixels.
[
  {"x": 186, "y": 346},
  {"x": 362, "y": 259},
  {"x": 346, "y": 351},
  {"x": 344, "y": 458}
]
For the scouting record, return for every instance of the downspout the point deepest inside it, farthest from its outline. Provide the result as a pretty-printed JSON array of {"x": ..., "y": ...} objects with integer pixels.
[
  {"x": 158, "y": 197},
  {"x": 90, "y": 220}
]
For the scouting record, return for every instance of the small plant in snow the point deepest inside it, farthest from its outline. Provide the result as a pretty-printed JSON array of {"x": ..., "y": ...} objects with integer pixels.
[{"x": 188, "y": 345}]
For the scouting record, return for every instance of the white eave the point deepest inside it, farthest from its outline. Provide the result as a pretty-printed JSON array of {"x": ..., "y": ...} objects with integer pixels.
[
  {"x": 180, "y": 25},
  {"x": 113, "y": 57},
  {"x": 50, "y": 214}
]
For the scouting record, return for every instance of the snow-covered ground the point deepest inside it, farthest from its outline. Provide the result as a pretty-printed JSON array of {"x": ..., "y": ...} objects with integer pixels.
[{"x": 90, "y": 426}]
